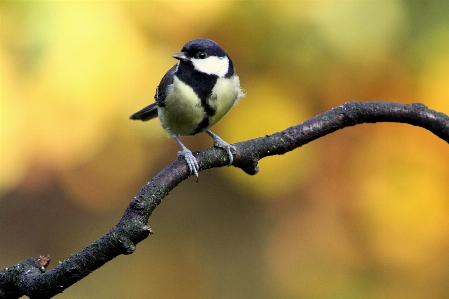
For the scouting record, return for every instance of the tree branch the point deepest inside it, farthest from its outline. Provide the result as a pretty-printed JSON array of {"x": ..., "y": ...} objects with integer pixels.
[{"x": 29, "y": 277}]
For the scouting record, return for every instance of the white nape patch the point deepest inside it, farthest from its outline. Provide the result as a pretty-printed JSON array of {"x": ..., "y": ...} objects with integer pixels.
[{"x": 212, "y": 65}]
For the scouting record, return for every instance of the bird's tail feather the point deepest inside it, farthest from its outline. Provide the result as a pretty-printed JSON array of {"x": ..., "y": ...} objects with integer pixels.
[{"x": 147, "y": 113}]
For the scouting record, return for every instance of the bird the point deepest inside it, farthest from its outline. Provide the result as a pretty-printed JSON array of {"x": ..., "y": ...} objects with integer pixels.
[{"x": 194, "y": 95}]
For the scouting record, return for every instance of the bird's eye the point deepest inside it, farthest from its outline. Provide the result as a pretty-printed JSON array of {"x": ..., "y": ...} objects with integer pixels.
[{"x": 202, "y": 55}]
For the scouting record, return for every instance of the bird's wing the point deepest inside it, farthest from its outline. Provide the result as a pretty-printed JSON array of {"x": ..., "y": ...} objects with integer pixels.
[
  {"x": 150, "y": 111},
  {"x": 162, "y": 88},
  {"x": 147, "y": 113}
]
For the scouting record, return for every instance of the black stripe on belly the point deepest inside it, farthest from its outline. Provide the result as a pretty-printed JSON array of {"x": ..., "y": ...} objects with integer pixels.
[
  {"x": 202, "y": 125},
  {"x": 201, "y": 83},
  {"x": 210, "y": 111}
]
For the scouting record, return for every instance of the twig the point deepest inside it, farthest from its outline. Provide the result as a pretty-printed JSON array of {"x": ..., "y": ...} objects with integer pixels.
[{"x": 29, "y": 277}]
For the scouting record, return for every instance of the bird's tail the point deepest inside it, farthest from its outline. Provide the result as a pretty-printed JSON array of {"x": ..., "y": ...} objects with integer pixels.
[{"x": 147, "y": 113}]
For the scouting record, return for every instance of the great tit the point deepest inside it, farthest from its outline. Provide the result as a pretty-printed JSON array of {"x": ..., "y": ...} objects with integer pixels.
[{"x": 195, "y": 94}]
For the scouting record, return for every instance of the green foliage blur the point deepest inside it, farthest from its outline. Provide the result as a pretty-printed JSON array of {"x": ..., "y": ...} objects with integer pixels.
[{"x": 361, "y": 213}]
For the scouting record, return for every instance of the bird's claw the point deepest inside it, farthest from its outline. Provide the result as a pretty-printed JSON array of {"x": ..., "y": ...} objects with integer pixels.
[
  {"x": 191, "y": 162},
  {"x": 218, "y": 142}
]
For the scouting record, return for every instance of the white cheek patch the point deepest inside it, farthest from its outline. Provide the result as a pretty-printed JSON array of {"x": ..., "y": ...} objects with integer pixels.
[{"x": 212, "y": 65}]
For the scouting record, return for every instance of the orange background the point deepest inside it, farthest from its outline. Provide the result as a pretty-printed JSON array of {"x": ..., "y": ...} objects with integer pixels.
[{"x": 361, "y": 213}]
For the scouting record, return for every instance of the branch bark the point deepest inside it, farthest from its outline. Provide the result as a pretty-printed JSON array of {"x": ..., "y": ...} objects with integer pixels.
[{"x": 29, "y": 277}]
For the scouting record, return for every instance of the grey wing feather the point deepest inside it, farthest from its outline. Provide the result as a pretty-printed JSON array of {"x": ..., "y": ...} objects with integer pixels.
[
  {"x": 150, "y": 111},
  {"x": 162, "y": 88}
]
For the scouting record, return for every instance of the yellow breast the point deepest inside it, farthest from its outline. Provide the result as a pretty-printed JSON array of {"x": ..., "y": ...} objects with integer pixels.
[{"x": 183, "y": 111}]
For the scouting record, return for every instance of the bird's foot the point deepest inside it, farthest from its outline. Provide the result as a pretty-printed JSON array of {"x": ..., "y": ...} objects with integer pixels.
[
  {"x": 218, "y": 142},
  {"x": 191, "y": 161}
]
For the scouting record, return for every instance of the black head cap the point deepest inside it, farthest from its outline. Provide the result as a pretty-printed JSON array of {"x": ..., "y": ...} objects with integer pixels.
[{"x": 201, "y": 45}]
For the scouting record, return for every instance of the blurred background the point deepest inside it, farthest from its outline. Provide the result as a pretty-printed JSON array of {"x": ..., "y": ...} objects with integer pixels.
[{"x": 361, "y": 213}]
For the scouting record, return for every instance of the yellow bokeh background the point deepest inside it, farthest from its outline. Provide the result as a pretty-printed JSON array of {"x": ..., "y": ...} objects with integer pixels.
[{"x": 361, "y": 213}]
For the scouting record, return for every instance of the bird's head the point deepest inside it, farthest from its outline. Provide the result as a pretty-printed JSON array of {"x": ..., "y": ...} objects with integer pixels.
[{"x": 206, "y": 56}]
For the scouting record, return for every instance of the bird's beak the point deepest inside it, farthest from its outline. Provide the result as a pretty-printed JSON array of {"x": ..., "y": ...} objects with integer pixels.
[{"x": 181, "y": 56}]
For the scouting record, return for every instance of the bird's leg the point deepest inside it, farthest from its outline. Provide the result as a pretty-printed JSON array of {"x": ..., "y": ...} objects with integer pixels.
[
  {"x": 188, "y": 157},
  {"x": 218, "y": 142}
]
